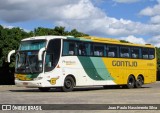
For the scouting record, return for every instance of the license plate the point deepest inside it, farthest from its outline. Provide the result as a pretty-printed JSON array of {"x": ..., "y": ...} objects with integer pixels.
[{"x": 25, "y": 83}]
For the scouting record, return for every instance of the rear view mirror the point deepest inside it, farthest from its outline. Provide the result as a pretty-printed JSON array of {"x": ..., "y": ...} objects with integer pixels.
[
  {"x": 40, "y": 53},
  {"x": 9, "y": 55}
]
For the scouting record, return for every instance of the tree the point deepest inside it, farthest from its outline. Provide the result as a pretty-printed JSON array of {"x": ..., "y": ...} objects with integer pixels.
[
  {"x": 158, "y": 57},
  {"x": 124, "y": 41},
  {"x": 59, "y": 31},
  {"x": 75, "y": 33}
]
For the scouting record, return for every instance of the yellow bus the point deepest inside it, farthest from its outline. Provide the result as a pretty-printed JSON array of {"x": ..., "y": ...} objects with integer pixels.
[{"x": 66, "y": 62}]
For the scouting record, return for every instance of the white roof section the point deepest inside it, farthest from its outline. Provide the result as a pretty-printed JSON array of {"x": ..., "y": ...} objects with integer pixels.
[{"x": 45, "y": 38}]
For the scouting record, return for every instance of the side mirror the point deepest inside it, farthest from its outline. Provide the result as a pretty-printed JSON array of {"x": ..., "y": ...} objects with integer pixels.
[
  {"x": 9, "y": 55},
  {"x": 40, "y": 53}
]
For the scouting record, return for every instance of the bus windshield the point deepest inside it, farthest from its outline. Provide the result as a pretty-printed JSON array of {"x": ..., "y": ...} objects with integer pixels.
[
  {"x": 27, "y": 56},
  {"x": 27, "y": 62},
  {"x": 32, "y": 45}
]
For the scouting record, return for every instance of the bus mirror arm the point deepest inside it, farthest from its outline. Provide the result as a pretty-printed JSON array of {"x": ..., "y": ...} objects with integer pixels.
[
  {"x": 40, "y": 53},
  {"x": 9, "y": 55}
]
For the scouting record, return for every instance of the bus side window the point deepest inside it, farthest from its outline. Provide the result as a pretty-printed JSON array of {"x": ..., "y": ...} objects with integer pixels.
[
  {"x": 69, "y": 48},
  {"x": 65, "y": 48},
  {"x": 91, "y": 49},
  {"x": 151, "y": 53},
  {"x": 112, "y": 51},
  {"x": 111, "y": 54},
  {"x": 72, "y": 49},
  {"x": 88, "y": 49},
  {"x": 124, "y": 52},
  {"x": 144, "y": 53},
  {"x": 98, "y": 50},
  {"x": 82, "y": 49},
  {"x": 135, "y": 52}
]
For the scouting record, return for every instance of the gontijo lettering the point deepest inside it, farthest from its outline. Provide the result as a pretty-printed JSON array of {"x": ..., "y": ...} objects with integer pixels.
[{"x": 124, "y": 63}]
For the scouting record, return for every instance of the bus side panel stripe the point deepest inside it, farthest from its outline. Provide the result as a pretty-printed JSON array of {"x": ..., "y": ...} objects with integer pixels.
[
  {"x": 101, "y": 68},
  {"x": 89, "y": 68},
  {"x": 95, "y": 68}
]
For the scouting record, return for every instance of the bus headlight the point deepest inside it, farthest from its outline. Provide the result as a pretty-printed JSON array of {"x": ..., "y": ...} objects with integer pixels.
[{"x": 38, "y": 78}]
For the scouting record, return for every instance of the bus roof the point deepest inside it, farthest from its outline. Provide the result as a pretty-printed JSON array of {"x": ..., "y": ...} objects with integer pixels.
[
  {"x": 111, "y": 41},
  {"x": 44, "y": 38},
  {"x": 89, "y": 39}
]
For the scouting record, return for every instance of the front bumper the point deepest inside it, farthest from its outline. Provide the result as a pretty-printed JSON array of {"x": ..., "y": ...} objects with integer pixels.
[{"x": 33, "y": 84}]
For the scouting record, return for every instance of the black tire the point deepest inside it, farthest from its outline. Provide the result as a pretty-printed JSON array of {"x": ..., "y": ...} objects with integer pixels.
[
  {"x": 44, "y": 89},
  {"x": 68, "y": 84},
  {"x": 130, "y": 82},
  {"x": 139, "y": 82}
]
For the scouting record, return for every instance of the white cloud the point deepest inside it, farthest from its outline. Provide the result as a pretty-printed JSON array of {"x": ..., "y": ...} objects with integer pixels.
[
  {"x": 24, "y": 10},
  {"x": 126, "y": 1},
  {"x": 82, "y": 10},
  {"x": 153, "y": 12},
  {"x": 155, "y": 41},
  {"x": 133, "y": 39},
  {"x": 15, "y": 11},
  {"x": 111, "y": 26},
  {"x": 155, "y": 19},
  {"x": 82, "y": 15},
  {"x": 10, "y": 27},
  {"x": 147, "y": 12}
]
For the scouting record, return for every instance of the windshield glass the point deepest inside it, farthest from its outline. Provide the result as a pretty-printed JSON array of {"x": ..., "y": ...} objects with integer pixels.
[
  {"x": 27, "y": 62},
  {"x": 32, "y": 45},
  {"x": 27, "y": 56}
]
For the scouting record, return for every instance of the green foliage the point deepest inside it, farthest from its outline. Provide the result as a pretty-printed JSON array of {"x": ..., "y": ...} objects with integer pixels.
[
  {"x": 10, "y": 38},
  {"x": 158, "y": 57},
  {"x": 57, "y": 31},
  {"x": 75, "y": 33},
  {"x": 124, "y": 41}
]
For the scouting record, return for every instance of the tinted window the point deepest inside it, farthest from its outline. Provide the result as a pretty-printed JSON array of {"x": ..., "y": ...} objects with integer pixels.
[
  {"x": 125, "y": 52},
  {"x": 144, "y": 53},
  {"x": 83, "y": 49},
  {"x": 151, "y": 53},
  {"x": 52, "y": 54},
  {"x": 98, "y": 50},
  {"x": 69, "y": 48},
  {"x": 32, "y": 45},
  {"x": 135, "y": 52},
  {"x": 112, "y": 51}
]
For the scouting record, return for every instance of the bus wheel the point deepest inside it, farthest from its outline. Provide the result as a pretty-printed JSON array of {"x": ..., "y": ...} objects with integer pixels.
[
  {"x": 130, "y": 82},
  {"x": 139, "y": 82},
  {"x": 68, "y": 84},
  {"x": 44, "y": 89}
]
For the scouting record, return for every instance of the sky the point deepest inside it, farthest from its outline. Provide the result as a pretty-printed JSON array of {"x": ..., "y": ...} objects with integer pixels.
[{"x": 136, "y": 21}]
